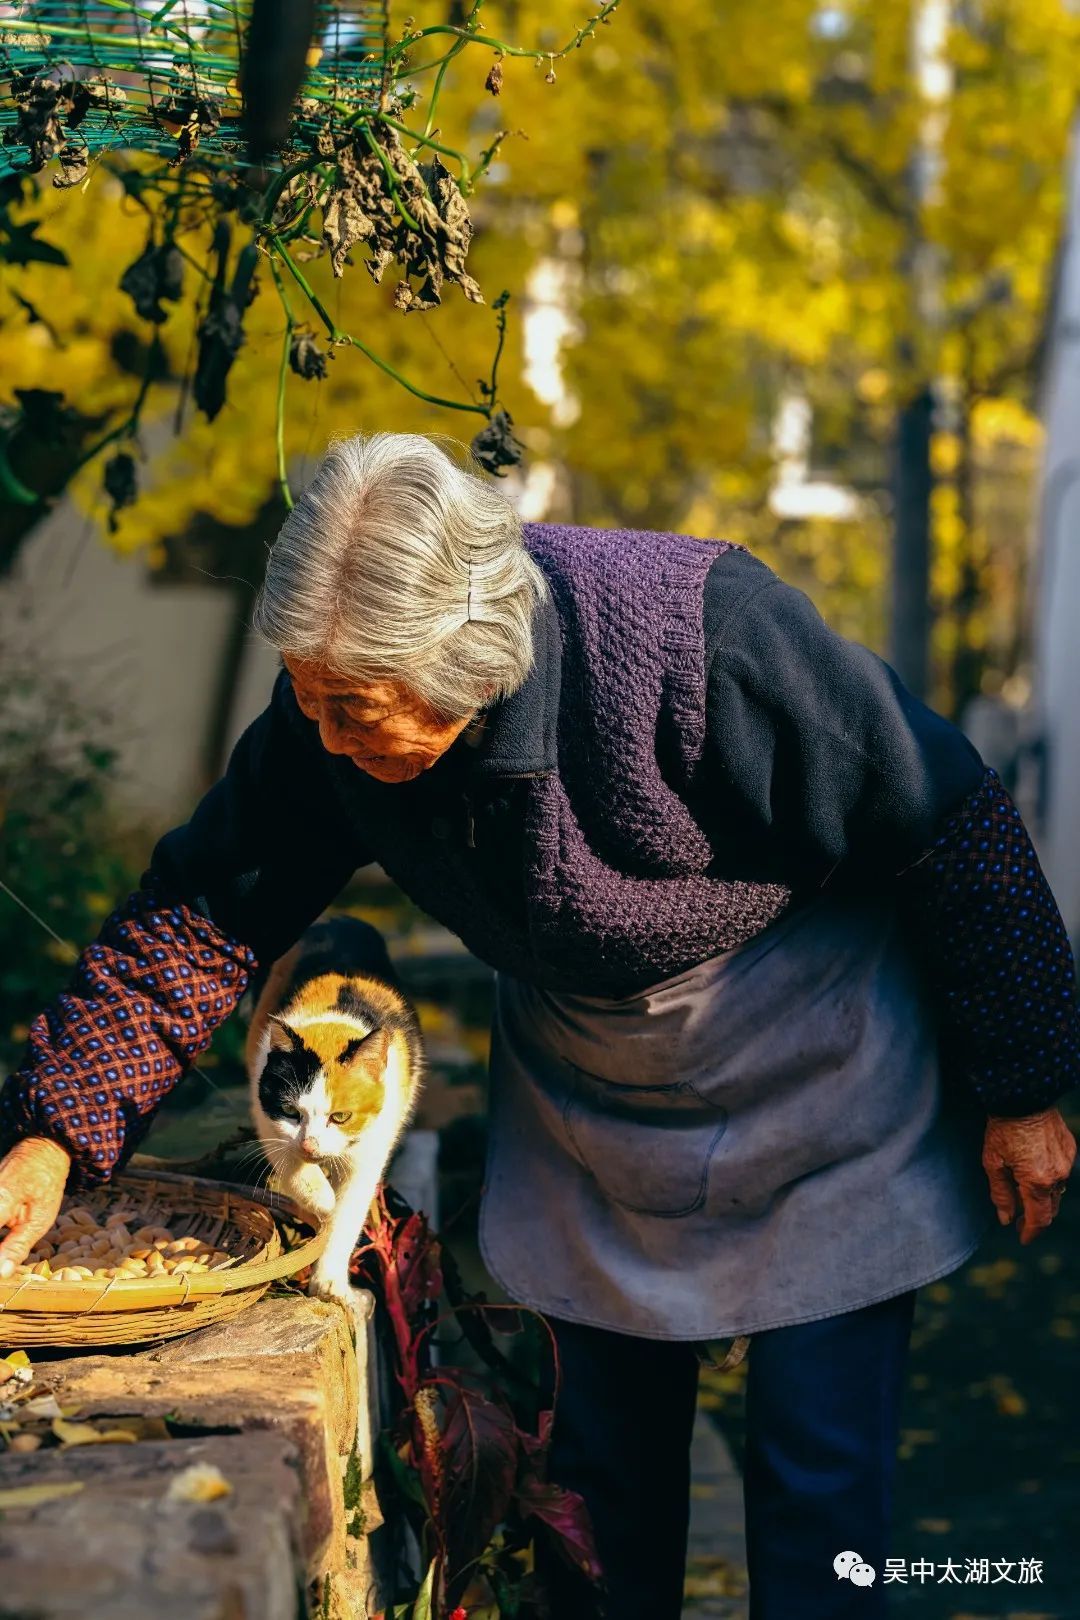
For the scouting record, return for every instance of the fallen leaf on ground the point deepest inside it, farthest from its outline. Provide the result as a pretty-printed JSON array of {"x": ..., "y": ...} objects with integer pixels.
[
  {"x": 85, "y": 1434},
  {"x": 39, "y": 1406},
  {"x": 17, "y": 1365},
  {"x": 32, "y": 1495},
  {"x": 713, "y": 1576},
  {"x": 144, "y": 1428},
  {"x": 202, "y": 1482}
]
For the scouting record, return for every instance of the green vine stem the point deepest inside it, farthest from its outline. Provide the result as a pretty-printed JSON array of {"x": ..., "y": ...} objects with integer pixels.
[
  {"x": 500, "y": 314},
  {"x": 162, "y": 12},
  {"x": 280, "y": 182},
  {"x": 436, "y": 146},
  {"x": 283, "y": 373},
  {"x": 467, "y": 36},
  {"x": 191, "y": 204},
  {"x": 391, "y": 178},
  {"x": 455, "y": 50},
  {"x": 487, "y": 157},
  {"x": 154, "y": 359},
  {"x": 129, "y": 426},
  {"x": 17, "y": 25},
  {"x": 337, "y": 336}
]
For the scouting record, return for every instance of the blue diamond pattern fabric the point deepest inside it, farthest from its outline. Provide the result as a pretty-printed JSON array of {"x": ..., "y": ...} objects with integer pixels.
[
  {"x": 998, "y": 955},
  {"x": 143, "y": 1002}
]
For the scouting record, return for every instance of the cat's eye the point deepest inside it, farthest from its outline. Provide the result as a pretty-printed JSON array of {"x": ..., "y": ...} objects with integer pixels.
[
  {"x": 288, "y": 1111},
  {"x": 340, "y": 1117}
]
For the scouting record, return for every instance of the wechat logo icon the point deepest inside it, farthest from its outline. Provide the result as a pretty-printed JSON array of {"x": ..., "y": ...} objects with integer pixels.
[{"x": 849, "y": 1566}]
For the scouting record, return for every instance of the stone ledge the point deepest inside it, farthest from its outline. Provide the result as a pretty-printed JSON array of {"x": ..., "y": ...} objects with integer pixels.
[
  {"x": 282, "y": 1387},
  {"x": 119, "y": 1551}
]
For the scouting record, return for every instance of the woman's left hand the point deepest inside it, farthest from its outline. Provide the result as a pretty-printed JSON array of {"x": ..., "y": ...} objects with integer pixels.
[{"x": 1028, "y": 1161}]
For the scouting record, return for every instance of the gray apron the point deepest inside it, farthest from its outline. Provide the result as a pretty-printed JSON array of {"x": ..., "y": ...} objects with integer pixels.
[{"x": 761, "y": 1140}]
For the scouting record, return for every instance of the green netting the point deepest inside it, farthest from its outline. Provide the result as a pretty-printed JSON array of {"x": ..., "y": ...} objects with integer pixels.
[
  {"x": 188, "y": 104},
  {"x": 84, "y": 77}
]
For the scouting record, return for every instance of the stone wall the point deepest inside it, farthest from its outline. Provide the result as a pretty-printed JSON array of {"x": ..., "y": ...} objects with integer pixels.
[{"x": 277, "y": 1399}]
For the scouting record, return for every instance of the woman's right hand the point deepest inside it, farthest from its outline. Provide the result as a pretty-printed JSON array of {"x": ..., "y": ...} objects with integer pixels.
[{"x": 32, "y": 1180}]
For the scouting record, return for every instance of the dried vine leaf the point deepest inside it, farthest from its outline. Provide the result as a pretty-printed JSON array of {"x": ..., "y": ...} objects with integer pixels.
[
  {"x": 26, "y": 42},
  {"x": 294, "y": 200},
  {"x": 221, "y": 334},
  {"x": 344, "y": 224},
  {"x": 189, "y": 110},
  {"x": 74, "y": 163},
  {"x": 305, "y": 356},
  {"x": 157, "y": 273},
  {"x": 409, "y": 214},
  {"x": 406, "y": 298},
  {"x": 377, "y": 263},
  {"x": 495, "y": 446},
  {"x": 456, "y": 233},
  {"x": 121, "y": 485},
  {"x": 96, "y": 91},
  {"x": 47, "y": 416},
  {"x": 221, "y": 337},
  {"x": 41, "y": 99},
  {"x": 360, "y": 208}
]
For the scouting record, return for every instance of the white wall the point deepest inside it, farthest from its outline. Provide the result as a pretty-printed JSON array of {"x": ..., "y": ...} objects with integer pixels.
[{"x": 147, "y": 653}]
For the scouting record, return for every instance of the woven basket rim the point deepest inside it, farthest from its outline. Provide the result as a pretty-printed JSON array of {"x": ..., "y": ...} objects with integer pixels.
[{"x": 91, "y": 1296}]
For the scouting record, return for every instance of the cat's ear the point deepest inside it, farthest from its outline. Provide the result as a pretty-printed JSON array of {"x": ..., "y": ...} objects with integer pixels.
[
  {"x": 281, "y": 1036},
  {"x": 368, "y": 1049}
]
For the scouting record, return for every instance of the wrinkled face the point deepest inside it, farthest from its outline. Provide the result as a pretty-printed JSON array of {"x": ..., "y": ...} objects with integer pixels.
[
  {"x": 382, "y": 727},
  {"x": 322, "y": 1084}
]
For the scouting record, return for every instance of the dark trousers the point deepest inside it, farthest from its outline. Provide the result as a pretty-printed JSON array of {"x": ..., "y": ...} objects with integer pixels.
[{"x": 822, "y": 1410}]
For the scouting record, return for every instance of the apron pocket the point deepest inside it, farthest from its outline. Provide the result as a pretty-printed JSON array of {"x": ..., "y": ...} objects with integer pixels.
[{"x": 648, "y": 1147}]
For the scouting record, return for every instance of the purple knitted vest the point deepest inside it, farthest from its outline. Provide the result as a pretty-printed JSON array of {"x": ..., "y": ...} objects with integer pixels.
[{"x": 619, "y": 875}]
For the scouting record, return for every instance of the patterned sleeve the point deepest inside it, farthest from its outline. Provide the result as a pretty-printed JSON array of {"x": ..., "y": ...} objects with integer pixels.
[
  {"x": 266, "y": 850},
  {"x": 997, "y": 952},
  {"x": 143, "y": 1002}
]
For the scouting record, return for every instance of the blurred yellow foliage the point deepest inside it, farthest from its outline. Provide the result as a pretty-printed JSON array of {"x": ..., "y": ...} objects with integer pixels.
[{"x": 730, "y": 202}]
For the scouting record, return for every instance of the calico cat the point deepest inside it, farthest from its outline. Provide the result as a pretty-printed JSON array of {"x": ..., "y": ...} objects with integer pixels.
[{"x": 335, "y": 1060}]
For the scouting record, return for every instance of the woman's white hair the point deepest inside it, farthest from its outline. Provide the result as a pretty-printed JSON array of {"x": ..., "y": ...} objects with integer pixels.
[{"x": 397, "y": 561}]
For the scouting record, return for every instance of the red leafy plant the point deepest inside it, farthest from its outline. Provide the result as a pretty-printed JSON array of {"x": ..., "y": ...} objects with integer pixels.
[{"x": 467, "y": 1449}]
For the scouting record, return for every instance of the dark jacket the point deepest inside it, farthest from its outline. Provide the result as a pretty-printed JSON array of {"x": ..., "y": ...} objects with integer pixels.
[
  {"x": 693, "y": 748},
  {"x": 693, "y": 752}
]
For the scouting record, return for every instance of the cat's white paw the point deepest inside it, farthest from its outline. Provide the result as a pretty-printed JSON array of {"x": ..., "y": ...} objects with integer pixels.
[
  {"x": 339, "y": 1291},
  {"x": 311, "y": 1190}
]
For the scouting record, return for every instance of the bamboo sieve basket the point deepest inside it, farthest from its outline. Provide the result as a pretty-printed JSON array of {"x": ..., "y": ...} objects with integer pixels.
[{"x": 134, "y": 1310}]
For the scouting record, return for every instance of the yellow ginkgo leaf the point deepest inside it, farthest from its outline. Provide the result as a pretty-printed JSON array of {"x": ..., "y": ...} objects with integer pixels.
[
  {"x": 33, "y": 1495},
  {"x": 16, "y": 1366},
  {"x": 84, "y": 1434},
  {"x": 202, "y": 1482}
]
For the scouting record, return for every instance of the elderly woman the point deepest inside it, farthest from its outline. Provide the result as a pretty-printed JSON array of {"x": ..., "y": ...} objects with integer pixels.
[{"x": 774, "y": 960}]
